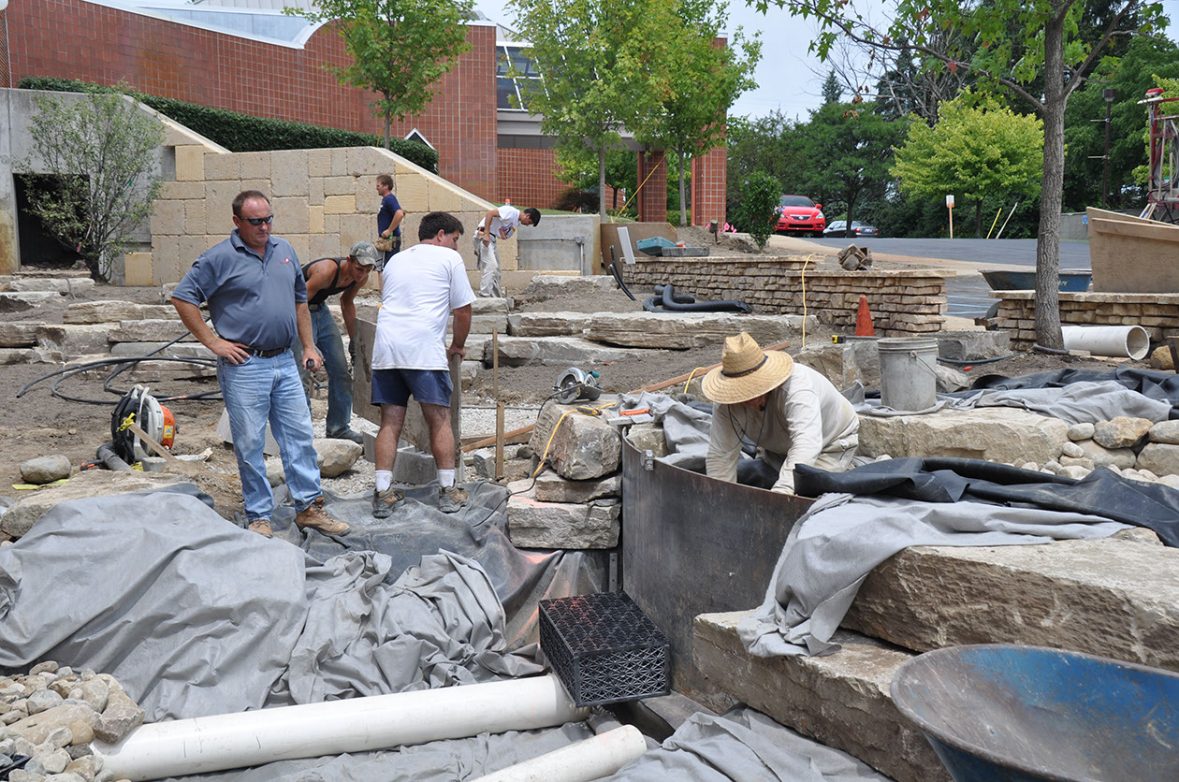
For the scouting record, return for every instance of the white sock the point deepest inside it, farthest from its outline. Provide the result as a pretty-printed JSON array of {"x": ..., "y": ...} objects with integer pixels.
[
  {"x": 446, "y": 478},
  {"x": 384, "y": 479}
]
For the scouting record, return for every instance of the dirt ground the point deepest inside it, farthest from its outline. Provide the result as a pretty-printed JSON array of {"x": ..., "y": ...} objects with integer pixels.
[{"x": 40, "y": 422}]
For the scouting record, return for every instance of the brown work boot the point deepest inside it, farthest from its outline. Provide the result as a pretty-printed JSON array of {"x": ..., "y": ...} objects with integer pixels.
[
  {"x": 262, "y": 527},
  {"x": 315, "y": 517},
  {"x": 385, "y": 501},
  {"x": 452, "y": 499}
]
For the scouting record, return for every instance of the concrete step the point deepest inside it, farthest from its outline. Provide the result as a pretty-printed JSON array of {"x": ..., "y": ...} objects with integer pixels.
[
  {"x": 1114, "y": 597},
  {"x": 841, "y": 700}
]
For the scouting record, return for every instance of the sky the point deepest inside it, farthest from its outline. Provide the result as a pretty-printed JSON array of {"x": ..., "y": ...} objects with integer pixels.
[{"x": 790, "y": 80}]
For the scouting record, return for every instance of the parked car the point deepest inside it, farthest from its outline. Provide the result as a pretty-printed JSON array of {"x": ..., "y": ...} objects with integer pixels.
[
  {"x": 838, "y": 228},
  {"x": 799, "y": 214}
]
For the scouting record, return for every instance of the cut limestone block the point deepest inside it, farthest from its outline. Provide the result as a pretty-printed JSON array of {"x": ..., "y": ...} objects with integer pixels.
[
  {"x": 548, "y": 324},
  {"x": 61, "y": 285},
  {"x": 551, "y": 487},
  {"x": 18, "y": 335},
  {"x": 489, "y": 305},
  {"x": 561, "y": 525},
  {"x": 147, "y": 330},
  {"x": 682, "y": 330},
  {"x": 21, "y": 517},
  {"x": 547, "y": 286},
  {"x": 854, "y": 361},
  {"x": 15, "y": 301},
  {"x": 583, "y": 447},
  {"x": 1111, "y": 597},
  {"x": 74, "y": 340},
  {"x": 1003, "y": 435},
  {"x": 841, "y": 699},
  {"x": 563, "y": 351},
  {"x": 115, "y": 311},
  {"x": 179, "y": 350}
]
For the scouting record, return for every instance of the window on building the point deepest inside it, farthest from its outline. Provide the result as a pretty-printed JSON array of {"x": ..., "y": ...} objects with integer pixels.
[{"x": 515, "y": 74}]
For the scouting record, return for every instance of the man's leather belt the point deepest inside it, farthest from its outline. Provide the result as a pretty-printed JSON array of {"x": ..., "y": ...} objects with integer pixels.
[{"x": 260, "y": 353}]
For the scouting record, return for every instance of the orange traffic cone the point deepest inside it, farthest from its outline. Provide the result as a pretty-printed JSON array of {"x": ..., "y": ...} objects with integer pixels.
[{"x": 864, "y": 327}]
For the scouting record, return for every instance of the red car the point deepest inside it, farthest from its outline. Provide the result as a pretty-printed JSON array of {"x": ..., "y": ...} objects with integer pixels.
[{"x": 799, "y": 214}]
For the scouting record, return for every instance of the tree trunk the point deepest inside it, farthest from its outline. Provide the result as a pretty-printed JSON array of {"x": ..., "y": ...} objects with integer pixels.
[
  {"x": 1051, "y": 193},
  {"x": 602, "y": 183},
  {"x": 388, "y": 125},
  {"x": 683, "y": 201},
  {"x": 978, "y": 218}
]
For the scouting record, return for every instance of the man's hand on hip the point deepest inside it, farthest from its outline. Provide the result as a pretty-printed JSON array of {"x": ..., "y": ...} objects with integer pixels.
[{"x": 233, "y": 352}]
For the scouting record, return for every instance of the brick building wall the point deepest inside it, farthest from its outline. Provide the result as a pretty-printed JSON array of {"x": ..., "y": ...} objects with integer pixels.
[{"x": 79, "y": 40}]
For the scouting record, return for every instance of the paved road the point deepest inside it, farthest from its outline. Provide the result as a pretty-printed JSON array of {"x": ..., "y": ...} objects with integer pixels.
[{"x": 968, "y": 293}]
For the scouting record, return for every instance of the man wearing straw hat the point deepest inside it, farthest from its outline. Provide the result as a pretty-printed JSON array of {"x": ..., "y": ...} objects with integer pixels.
[{"x": 791, "y": 413}]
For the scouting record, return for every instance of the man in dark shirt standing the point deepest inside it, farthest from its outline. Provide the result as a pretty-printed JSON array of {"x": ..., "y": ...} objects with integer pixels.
[
  {"x": 389, "y": 217},
  {"x": 258, "y": 301},
  {"x": 325, "y": 278}
]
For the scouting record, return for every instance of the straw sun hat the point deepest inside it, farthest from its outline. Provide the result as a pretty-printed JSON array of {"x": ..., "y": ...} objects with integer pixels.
[{"x": 746, "y": 371}]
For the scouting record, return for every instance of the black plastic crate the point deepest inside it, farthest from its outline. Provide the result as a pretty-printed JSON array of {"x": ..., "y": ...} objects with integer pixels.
[{"x": 604, "y": 648}]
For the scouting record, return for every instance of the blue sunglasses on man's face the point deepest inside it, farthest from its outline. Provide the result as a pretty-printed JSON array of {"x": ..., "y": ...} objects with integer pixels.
[{"x": 259, "y": 220}]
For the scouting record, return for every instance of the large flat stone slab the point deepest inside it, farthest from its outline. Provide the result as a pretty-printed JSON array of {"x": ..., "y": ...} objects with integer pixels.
[
  {"x": 564, "y": 351},
  {"x": 682, "y": 330},
  {"x": 74, "y": 340},
  {"x": 59, "y": 285},
  {"x": 114, "y": 311},
  {"x": 561, "y": 525},
  {"x": 17, "y": 301},
  {"x": 547, "y": 286},
  {"x": 29, "y": 356},
  {"x": 844, "y": 364},
  {"x": 1004, "y": 434},
  {"x": 548, "y": 324},
  {"x": 18, "y": 334},
  {"x": 1112, "y": 597},
  {"x": 31, "y": 506},
  {"x": 841, "y": 700},
  {"x": 179, "y": 350},
  {"x": 147, "y": 329}
]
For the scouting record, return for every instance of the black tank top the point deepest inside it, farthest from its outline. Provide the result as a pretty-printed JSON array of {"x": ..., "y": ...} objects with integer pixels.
[{"x": 330, "y": 290}]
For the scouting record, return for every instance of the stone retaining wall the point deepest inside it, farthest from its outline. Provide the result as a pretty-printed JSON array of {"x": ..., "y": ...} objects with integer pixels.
[
  {"x": 903, "y": 301},
  {"x": 1158, "y": 313}
]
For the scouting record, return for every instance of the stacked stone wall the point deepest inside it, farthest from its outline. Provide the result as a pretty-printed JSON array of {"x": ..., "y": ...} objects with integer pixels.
[
  {"x": 903, "y": 301},
  {"x": 1158, "y": 313},
  {"x": 324, "y": 201}
]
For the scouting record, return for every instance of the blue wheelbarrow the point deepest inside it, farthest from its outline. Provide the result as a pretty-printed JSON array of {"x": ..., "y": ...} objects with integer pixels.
[{"x": 1006, "y": 713}]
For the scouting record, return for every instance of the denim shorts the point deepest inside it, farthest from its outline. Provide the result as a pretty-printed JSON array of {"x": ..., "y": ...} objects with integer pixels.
[{"x": 395, "y": 386}]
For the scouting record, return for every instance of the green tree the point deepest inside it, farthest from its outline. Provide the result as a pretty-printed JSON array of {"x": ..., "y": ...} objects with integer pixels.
[
  {"x": 978, "y": 150},
  {"x": 399, "y": 48},
  {"x": 773, "y": 144},
  {"x": 754, "y": 211},
  {"x": 102, "y": 151},
  {"x": 832, "y": 92},
  {"x": 1129, "y": 76},
  {"x": 702, "y": 81},
  {"x": 1038, "y": 50},
  {"x": 600, "y": 63},
  {"x": 849, "y": 152}
]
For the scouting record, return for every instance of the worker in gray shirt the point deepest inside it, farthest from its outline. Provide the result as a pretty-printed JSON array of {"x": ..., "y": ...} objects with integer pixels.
[
  {"x": 791, "y": 413},
  {"x": 258, "y": 300}
]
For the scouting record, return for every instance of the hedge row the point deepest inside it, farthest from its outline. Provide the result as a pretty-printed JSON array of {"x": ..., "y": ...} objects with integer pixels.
[{"x": 243, "y": 133}]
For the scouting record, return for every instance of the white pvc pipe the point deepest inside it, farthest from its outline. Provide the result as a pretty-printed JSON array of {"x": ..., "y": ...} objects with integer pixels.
[
  {"x": 1118, "y": 341},
  {"x": 593, "y": 758},
  {"x": 251, "y": 738}
]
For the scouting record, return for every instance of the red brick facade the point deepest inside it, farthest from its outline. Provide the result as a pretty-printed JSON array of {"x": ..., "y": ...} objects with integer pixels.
[{"x": 79, "y": 40}]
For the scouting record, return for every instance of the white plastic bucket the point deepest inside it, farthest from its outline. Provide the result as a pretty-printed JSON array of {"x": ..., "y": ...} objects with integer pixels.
[{"x": 908, "y": 372}]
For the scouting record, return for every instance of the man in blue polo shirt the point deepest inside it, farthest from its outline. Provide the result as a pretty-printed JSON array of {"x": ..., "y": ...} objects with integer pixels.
[
  {"x": 389, "y": 217},
  {"x": 258, "y": 301}
]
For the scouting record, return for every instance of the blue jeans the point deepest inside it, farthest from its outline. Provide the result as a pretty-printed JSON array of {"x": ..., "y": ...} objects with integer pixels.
[
  {"x": 261, "y": 390},
  {"x": 331, "y": 347}
]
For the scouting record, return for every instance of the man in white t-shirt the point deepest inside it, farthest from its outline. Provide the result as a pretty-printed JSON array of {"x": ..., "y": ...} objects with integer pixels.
[
  {"x": 420, "y": 288},
  {"x": 498, "y": 223}
]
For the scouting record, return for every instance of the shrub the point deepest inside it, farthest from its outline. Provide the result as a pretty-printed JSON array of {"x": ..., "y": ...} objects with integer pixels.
[
  {"x": 756, "y": 200},
  {"x": 244, "y": 133}
]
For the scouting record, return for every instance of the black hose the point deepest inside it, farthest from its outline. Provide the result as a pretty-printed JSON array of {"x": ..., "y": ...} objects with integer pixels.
[
  {"x": 678, "y": 298},
  {"x": 616, "y": 273},
  {"x": 669, "y": 303},
  {"x": 651, "y": 304},
  {"x": 111, "y": 460}
]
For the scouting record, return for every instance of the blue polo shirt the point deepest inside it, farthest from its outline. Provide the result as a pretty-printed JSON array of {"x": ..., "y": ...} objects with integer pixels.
[
  {"x": 389, "y": 207},
  {"x": 251, "y": 298}
]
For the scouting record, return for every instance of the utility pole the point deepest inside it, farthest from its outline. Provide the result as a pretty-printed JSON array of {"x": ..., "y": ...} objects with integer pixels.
[{"x": 1109, "y": 94}]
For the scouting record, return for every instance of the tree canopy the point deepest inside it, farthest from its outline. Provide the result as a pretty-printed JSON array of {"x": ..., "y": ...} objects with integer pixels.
[
  {"x": 979, "y": 151},
  {"x": 399, "y": 48}
]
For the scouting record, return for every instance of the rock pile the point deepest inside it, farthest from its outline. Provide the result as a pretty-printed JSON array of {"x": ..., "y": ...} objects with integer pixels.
[{"x": 51, "y": 714}]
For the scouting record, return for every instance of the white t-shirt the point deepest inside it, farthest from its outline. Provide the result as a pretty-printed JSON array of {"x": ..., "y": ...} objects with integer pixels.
[
  {"x": 420, "y": 287},
  {"x": 507, "y": 222}
]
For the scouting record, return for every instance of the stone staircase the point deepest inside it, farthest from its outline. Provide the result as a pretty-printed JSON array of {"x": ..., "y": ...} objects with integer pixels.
[{"x": 1117, "y": 597}]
